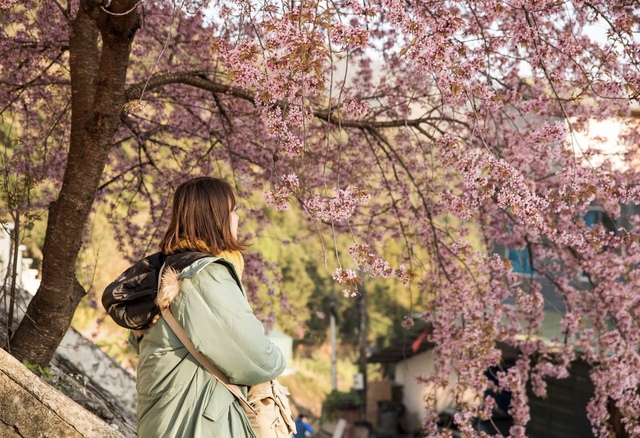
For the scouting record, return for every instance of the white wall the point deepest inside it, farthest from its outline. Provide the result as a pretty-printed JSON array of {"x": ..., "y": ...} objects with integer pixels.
[
  {"x": 602, "y": 140},
  {"x": 284, "y": 342},
  {"x": 415, "y": 393},
  {"x": 5, "y": 249},
  {"x": 26, "y": 276}
]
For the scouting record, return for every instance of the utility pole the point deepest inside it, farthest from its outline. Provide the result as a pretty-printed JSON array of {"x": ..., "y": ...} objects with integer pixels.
[
  {"x": 362, "y": 341},
  {"x": 332, "y": 322}
]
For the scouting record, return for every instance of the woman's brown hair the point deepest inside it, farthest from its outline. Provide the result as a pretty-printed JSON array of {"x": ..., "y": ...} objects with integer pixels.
[{"x": 200, "y": 218}]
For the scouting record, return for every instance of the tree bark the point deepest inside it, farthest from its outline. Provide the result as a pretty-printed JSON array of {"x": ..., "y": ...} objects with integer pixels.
[{"x": 98, "y": 84}]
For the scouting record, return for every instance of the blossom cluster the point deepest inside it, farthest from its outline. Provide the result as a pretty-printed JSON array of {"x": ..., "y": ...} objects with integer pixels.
[
  {"x": 349, "y": 277},
  {"x": 338, "y": 208},
  {"x": 376, "y": 266},
  {"x": 278, "y": 195}
]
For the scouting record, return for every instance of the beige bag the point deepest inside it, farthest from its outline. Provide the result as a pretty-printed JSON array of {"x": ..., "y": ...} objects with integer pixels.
[
  {"x": 267, "y": 404},
  {"x": 268, "y": 410}
]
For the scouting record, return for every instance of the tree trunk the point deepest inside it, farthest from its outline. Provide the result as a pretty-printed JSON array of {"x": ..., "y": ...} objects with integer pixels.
[{"x": 97, "y": 84}]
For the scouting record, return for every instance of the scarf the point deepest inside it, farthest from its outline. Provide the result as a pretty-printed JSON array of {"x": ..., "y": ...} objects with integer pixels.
[{"x": 233, "y": 257}]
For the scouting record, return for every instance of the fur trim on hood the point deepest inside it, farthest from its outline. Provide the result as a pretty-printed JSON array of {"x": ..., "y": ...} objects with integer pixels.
[{"x": 170, "y": 286}]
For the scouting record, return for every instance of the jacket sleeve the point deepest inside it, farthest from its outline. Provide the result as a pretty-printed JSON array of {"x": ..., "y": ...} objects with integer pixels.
[{"x": 217, "y": 318}]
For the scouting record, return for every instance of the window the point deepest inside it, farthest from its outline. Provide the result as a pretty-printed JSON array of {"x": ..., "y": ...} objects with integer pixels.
[
  {"x": 596, "y": 215},
  {"x": 520, "y": 260}
]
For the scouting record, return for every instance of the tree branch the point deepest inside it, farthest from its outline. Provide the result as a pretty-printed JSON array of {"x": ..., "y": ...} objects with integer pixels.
[
  {"x": 199, "y": 79},
  {"x": 196, "y": 79}
]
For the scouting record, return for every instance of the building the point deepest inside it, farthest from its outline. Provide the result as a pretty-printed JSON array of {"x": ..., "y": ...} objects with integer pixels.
[
  {"x": 562, "y": 414},
  {"x": 25, "y": 276}
]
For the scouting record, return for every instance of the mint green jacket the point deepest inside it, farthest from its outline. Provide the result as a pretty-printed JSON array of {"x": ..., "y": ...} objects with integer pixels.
[{"x": 177, "y": 397}]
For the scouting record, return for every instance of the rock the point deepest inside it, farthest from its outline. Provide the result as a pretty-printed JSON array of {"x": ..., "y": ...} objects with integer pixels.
[
  {"x": 30, "y": 407},
  {"x": 91, "y": 362}
]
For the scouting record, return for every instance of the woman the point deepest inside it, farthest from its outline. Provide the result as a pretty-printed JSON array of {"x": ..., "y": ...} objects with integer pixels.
[{"x": 177, "y": 397}]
